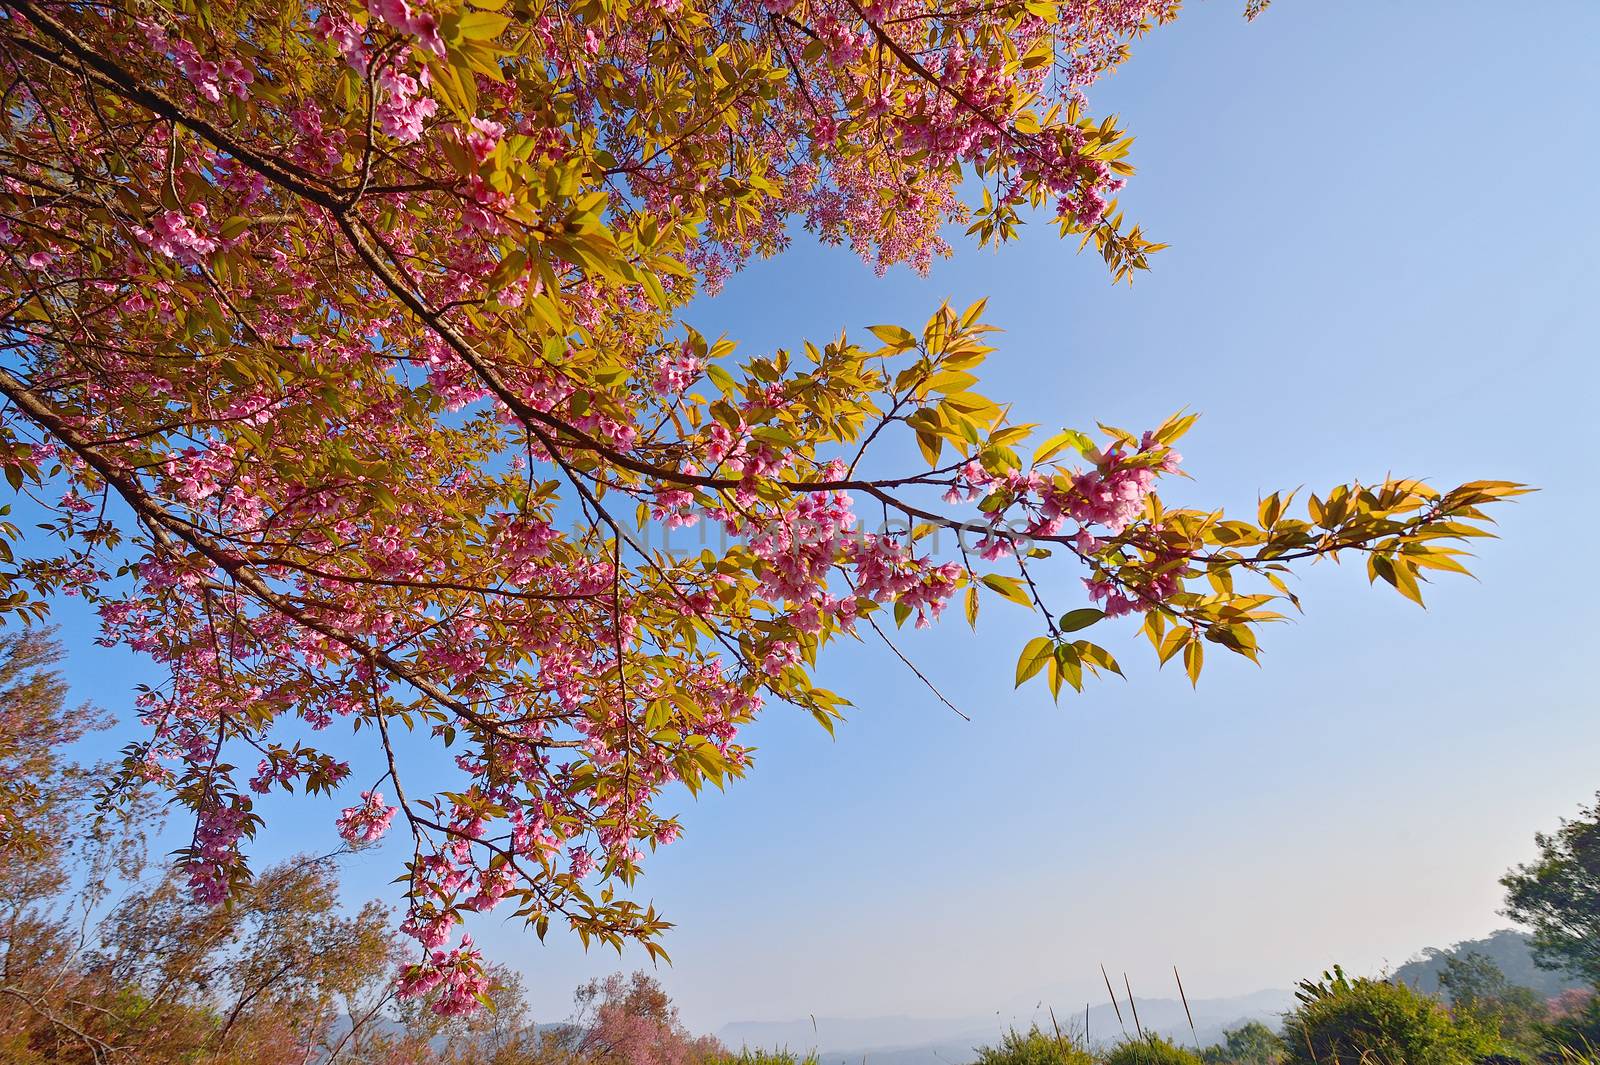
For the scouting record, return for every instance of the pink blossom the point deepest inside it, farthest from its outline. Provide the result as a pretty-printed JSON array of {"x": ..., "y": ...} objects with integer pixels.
[
  {"x": 368, "y": 822},
  {"x": 458, "y": 976},
  {"x": 675, "y": 372},
  {"x": 173, "y": 235},
  {"x": 402, "y": 111},
  {"x": 423, "y": 25},
  {"x": 484, "y": 138}
]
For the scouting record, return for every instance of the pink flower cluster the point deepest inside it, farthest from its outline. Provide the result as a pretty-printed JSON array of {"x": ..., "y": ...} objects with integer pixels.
[
  {"x": 458, "y": 976},
  {"x": 968, "y": 484},
  {"x": 368, "y": 822},
  {"x": 208, "y": 78},
  {"x": 403, "y": 109},
  {"x": 1117, "y": 600},
  {"x": 219, "y": 825},
  {"x": 1104, "y": 501},
  {"x": 886, "y": 571},
  {"x": 799, "y": 546},
  {"x": 483, "y": 137},
  {"x": 173, "y": 235},
  {"x": 1113, "y": 494},
  {"x": 523, "y": 544},
  {"x": 941, "y": 122},
  {"x": 676, "y": 371},
  {"x": 423, "y": 25},
  {"x": 346, "y": 36}
]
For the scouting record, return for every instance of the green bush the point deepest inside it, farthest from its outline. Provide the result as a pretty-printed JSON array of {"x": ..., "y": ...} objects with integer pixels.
[
  {"x": 1373, "y": 1022},
  {"x": 1035, "y": 1047},
  {"x": 1151, "y": 1050}
]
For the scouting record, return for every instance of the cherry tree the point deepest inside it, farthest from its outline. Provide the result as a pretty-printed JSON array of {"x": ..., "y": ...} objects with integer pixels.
[{"x": 343, "y": 345}]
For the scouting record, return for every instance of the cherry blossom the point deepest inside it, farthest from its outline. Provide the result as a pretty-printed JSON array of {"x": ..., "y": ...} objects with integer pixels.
[{"x": 351, "y": 362}]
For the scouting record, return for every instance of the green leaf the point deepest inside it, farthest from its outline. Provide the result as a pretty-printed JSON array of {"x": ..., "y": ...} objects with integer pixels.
[
  {"x": 1098, "y": 657},
  {"x": 721, "y": 378},
  {"x": 1060, "y": 442},
  {"x": 895, "y": 336},
  {"x": 1194, "y": 655},
  {"x": 482, "y": 25},
  {"x": 1035, "y": 654},
  {"x": 1074, "y": 620},
  {"x": 1009, "y": 587},
  {"x": 1069, "y": 666}
]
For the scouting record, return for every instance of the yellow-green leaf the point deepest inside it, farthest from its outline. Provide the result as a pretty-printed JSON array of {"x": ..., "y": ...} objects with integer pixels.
[
  {"x": 1008, "y": 587},
  {"x": 1035, "y": 654}
]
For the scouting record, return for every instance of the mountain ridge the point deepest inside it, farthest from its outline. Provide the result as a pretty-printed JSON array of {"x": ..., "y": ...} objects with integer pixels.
[{"x": 906, "y": 1040}]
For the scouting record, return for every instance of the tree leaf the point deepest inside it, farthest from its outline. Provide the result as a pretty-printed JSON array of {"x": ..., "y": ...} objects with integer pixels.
[
  {"x": 1009, "y": 587},
  {"x": 1035, "y": 654},
  {"x": 1073, "y": 620}
]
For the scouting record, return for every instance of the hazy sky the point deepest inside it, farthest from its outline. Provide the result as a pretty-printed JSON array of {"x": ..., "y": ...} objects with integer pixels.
[{"x": 1384, "y": 257}]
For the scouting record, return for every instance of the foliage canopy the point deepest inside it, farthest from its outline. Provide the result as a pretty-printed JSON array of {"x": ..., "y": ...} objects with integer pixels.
[
  {"x": 342, "y": 344},
  {"x": 1558, "y": 895}
]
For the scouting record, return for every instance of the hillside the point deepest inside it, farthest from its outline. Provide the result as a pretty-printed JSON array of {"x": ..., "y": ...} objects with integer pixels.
[{"x": 1506, "y": 948}]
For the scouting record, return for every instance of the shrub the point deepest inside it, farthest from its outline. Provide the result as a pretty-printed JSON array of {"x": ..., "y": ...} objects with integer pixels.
[
  {"x": 1035, "y": 1047},
  {"x": 1373, "y": 1022},
  {"x": 1151, "y": 1050}
]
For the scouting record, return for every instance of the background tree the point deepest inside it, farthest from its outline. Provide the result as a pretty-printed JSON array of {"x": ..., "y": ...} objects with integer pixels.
[
  {"x": 410, "y": 1032},
  {"x": 1478, "y": 988},
  {"x": 276, "y": 972},
  {"x": 277, "y": 976},
  {"x": 343, "y": 344},
  {"x": 620, "y": 1020},
  {"x": 40, "y": 785},
  {"x": 1558, "y": 895},
  {"x": 631, "y": 1021},
  {"x": 1573, "y": 1028},
  {"x": 101, "y": 962},
  {"x": 1249, "y": 1044},
  {"x": 58, "y": 855}
]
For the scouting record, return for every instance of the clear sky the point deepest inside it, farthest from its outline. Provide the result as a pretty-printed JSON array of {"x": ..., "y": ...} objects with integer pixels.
[{"x": 1385, "y": 256}]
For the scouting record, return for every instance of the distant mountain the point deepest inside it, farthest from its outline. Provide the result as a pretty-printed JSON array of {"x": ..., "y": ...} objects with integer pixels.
[
  {"x": 951, "y": 1041},
  {"x": 852, "y": 1033},
  {"x": 1506, "y": 948},
  {"x": 1212, "y": 1016}
]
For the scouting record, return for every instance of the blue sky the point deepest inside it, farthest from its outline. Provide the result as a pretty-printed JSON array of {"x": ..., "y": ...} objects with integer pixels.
[{"x": 1385, "y": 255}]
